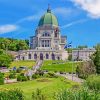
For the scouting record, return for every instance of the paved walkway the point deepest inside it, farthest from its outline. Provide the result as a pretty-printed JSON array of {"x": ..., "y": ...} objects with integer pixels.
[{"x": 71, "y": 77}]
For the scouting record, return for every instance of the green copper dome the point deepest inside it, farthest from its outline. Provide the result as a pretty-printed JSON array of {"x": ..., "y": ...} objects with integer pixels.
[{"x": 48, "y": 19}]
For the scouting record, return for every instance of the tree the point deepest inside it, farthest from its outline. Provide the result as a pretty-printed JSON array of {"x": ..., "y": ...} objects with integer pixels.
[
  {"x": 96, "y": 58},
  {"x": 5, "y": 59},
  {"x": 85, "y": 69},
  {"x": 70, "y": 57},
  {"x": 81, "y": 47},
  {"x": 1, "y": 78},
  {"x": 13, "y": 44}
]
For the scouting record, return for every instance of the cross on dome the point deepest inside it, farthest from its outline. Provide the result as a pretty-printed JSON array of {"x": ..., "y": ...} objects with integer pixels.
[{"x": 49, "y": 10}]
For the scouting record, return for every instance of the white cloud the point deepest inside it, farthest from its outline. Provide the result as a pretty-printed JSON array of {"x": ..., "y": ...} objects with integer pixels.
[
  {"x": 30, "y": 18},
  {"x": 8, "y": 28},
  {"x": 91, "y": 6},
  {"x": 74, "y": 23},
  {"x": 63, "y": 11}
]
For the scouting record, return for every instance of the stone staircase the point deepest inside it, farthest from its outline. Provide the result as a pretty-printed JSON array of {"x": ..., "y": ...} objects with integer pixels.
[{"x": 38, "y": 65}]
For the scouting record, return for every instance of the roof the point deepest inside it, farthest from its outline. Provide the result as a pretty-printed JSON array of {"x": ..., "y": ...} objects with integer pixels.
[{"x": 48, "y": 19}]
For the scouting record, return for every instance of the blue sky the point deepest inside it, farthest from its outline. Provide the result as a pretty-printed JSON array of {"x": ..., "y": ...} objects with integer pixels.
[{"x": 78, "y": 19}]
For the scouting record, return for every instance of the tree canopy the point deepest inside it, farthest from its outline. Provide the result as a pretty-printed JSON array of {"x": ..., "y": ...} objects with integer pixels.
[
  {"x": 96, "y": 58},
  {"x": 5, "y": 59},
  {"x": 13, "y": 44}
]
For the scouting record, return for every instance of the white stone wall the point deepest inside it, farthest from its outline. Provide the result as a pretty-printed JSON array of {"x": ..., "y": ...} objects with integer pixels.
[{"x": 82, "y": 54}]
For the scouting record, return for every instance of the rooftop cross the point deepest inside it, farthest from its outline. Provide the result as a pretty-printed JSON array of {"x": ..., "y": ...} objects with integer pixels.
[{"x": 49, "y": 10}]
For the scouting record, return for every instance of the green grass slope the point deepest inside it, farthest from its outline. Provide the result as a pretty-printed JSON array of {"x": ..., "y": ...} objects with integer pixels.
[
  {"x": 60, "y": 66},
  {"x": 26, "y": 63},
  {"x": 49, "y": 86}
]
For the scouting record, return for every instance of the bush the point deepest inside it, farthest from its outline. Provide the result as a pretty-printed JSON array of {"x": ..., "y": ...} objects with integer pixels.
[
  {"x": 40, "y": 72},
  {"x": 93, "y": 82},
  {"x": 14, "y": 94},
  {"x": 52, "y": 75},
  {"x": 35, "y": 76},
  {"x": 12, "y": 75},
  {"x": 18, "y": 70},
  {"x": 1, "y": 78},
  {"x": 85, "y": 69},
  {"x": 21, "y": 77},
  {"x": 46, "y": 75},
  {"x": 37, "y": 95},
  {"x": 83, "y": 94}
]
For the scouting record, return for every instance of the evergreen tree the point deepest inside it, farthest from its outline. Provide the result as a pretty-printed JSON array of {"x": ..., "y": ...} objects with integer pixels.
[{"x": 96, "y": 58}]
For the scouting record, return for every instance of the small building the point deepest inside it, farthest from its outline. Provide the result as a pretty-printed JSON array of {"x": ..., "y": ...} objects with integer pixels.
[
  {"x": 48, "y": 43},
  {"x": 83, "y": 54}
]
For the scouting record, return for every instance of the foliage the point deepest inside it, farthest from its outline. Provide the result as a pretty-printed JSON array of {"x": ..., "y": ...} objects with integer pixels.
[
  {"x": 93, "y": 82},
  {"x": 96, "y": 58},
  {"x": 21, "y": 77},
  {"x": 35, "y": 76},
  {"x": 39, "y": 72},
  {"x": 82, "y": 46},
  {"x": 85, "y": 69},
  {"x": 38, "y": 95},
  {"x": 82, "y": 94},
  {"x": 14, "y": 94},
  {"x": 5, "y": 59},
  {"x": 48, "y": 86},
  {"x": 13, "y": 44},
  {"x": 69, "y": 50},
  {"x": 1, "y": 78},
  {"x": 12, "y": 75},
  {"x": 52, "y": 75},
  {"x": 70, "y": 57}
]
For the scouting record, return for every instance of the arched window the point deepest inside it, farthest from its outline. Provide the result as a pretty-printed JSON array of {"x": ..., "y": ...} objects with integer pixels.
[
  {"x": 58, "y": 58},
  {"x": 47, "y": 56},
  {"x": 55, "y": 34},
  {"x": 35, "y": 56},
  {"x": 53, "y": 56},
  {"x": 23, "y": 58},
  {"x": 29, "y": 56},
  {"x": 46, "y": 34},
  {"x": 41, "y": 56}
]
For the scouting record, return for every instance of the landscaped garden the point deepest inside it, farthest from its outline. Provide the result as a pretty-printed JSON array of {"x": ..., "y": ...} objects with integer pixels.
[
  {"x": 60, "y": 66},
  {"x": 49, "y": 86}
]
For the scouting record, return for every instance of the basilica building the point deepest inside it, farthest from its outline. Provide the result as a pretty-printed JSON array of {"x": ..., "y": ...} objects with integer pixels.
[{"x": 48, "y": 43}]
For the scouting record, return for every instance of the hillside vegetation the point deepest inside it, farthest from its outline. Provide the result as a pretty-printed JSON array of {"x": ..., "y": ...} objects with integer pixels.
[{"x": 13, "y": 44}]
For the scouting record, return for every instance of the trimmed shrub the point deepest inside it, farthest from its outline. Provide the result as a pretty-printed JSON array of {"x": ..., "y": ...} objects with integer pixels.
[
  {"x": 12, "y": 75},
  {"x": 1, "y": 78},
  {"x": 21, "y": 77},
  {"x": 52, "y": 75}
]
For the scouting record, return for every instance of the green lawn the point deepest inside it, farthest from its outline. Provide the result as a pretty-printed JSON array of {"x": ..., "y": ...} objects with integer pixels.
[
  {"x": 22, "y": 63},
  {"x": 59, "y": 66},
  {"x": 47, "y": 85}
]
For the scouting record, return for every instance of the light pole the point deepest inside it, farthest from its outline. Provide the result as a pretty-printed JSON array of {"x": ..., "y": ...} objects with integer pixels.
[{"x": 72, "y": 64}]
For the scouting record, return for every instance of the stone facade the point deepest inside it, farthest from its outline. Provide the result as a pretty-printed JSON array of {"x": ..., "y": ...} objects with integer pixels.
[
  {"x": 47, "y": 44},
  {"x": 83, "y": 54}
]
